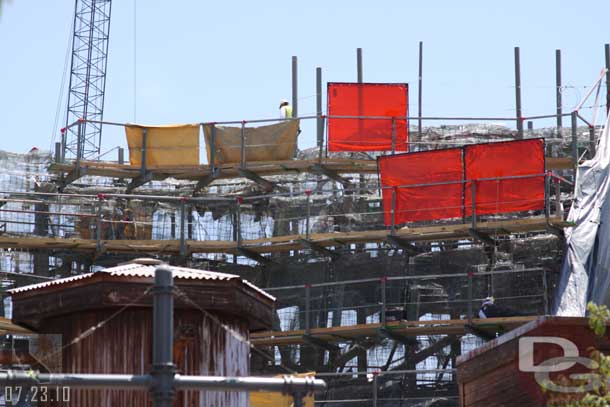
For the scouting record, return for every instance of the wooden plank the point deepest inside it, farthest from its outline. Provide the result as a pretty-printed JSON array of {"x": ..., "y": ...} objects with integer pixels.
[
  {"x": 405, "y": 328},
  {"x": 279, "y": 244},
  {"x": 559, "y": 163}
]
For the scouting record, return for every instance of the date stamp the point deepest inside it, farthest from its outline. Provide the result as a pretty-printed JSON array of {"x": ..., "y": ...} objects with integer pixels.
[{"x": 35, "y": 395}]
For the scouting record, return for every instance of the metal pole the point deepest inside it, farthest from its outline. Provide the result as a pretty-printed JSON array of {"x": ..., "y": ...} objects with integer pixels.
[
  {"x": 474, "y": 205},
  {"x": 238, "y": 200},
  {"x": 243, "y": 144},
  {"x": 545, "y": 293},
  {"x": 98, "y": 226},
  {"x": 121, "y": 155},
  {"x": 319, "y": 121},
  {"x": 182, "y": 227},
  {"x": 383, "y": 300},
  {"x": 393, "y": 135},
  {"x": 547, "y": 196},
  {"x": 212, "y": 162},
  {"x": 307, "y": 308},
  {"x": 470, "y": 277},
  {"x": 57, "y": 152},
  {"x": 163, "y": 369},
  {"x": 558, "y": 89},
  {"x": 308, "y": 193},
  {"x": 375, "y": 376},
  {"x": 359, "y": 64},
  {"x": 575, "y": 141},
  {"x": 558, "y": 211},
  {"x": 144, "y": 153},
  {"x": 321, "y": 149},
  {"x": 419, "y": 90},
  {"x": 295, "y": 95},
  {"x": 607, "y": 55},
  {"x": 63, "y": 145},
  {"x": 518, "y": 93},
  {"x": 592, "y": 146},
  {"x": 393, "y": 213}
]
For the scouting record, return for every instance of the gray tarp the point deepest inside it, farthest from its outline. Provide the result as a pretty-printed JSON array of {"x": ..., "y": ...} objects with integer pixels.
[{"x": 585, "y": 273}]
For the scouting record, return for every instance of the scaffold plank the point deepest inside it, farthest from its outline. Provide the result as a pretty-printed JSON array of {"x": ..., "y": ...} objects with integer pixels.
[
  {"x": 403, "y": 328},
  {"x": 280, "y": 244},
  {"x": 195, "y": 173}
]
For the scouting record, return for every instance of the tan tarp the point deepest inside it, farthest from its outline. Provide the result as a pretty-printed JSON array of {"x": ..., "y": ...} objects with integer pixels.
[
  {"x": 166, "y": 146},
  {"x": 266, "y": 143},
  {"x": 265, "y": 399}
]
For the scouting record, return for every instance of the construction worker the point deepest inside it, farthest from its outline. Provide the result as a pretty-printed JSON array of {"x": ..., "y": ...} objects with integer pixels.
[
  {"x": 285, "y": 109},
  {"x": 489, "y": 309}
]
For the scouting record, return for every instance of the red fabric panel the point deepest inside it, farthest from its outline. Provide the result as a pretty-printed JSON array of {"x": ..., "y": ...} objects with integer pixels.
[
  {"x": 512, "y": 158},
  {"x": 422, "y": 202},
  {"x": 367, "y": 99}
]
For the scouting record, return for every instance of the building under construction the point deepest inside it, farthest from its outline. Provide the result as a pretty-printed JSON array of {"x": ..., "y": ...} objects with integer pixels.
[{"x": 379, "y": 243}]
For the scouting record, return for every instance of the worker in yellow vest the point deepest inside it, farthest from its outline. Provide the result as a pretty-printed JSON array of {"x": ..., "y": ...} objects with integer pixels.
[{"x": 285, "y": 110}]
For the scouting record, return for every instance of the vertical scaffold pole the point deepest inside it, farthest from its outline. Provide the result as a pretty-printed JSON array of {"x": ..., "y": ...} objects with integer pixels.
[
  {"x": 393, "y": 135},
  {"x": 574, "y": 118},
  {"x": 144, "y": 152},
  {"x": 547, "y": 196},
  {"x": 558, "y": 90},
  {"x": 473, "y": 187},
  {"x": 383, "y": 284},
  {"x": 182, "y": 226},
  {"x": 238, "y": 202},
  {"x": 419, "y": 90},
  {"x": 98, "y": 226},
  {"x": 558, "y": 210},
  {"x": 243, "y": 144},
  {"x": 212, "y": 162},
  {"x": 393, "y": 213},
  {"x": 121, "y": 155},
  {"x": 307, "y": 309},
  {"x": 58, "y": 152},
  {"x": 469, "y": 308},
  {"x": 295, "y": 90},
  {"x": 307, "y": 221},
  {"x": 319, "y": 121},
  {"x": 518, "y": 93}
]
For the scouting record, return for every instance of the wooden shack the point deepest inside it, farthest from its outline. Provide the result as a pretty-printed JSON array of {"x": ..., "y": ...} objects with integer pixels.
[
  {"x": 105, "y": 319},
  {"x": 494, "y": 375}
]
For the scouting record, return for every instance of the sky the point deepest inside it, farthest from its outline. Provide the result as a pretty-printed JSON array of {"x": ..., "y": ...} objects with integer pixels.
[{"x": 199, "y": 61}]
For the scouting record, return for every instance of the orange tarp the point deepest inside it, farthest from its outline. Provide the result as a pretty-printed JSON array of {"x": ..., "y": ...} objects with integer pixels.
[
  {"x": 454, "y": 171},
  {"x": 505, "y": 159},
  {"x": 422, "y": 202},
  {"x": 381, "y": 100},
  {"x": 166, "y": 146}
]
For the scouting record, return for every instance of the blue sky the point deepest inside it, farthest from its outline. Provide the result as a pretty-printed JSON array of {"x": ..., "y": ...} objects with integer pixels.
[{"x": 210, "y": 61}]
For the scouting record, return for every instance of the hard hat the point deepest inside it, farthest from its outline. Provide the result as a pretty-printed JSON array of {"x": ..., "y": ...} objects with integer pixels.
[
  {"x": 488, "y": 300},
  {"x": 283, "y": 102}
]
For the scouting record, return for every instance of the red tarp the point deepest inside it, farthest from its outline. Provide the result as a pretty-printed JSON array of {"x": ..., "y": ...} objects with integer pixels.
[
  {"x": 422, "y": 202},
  {"x": 367, "y": 99},
  {"x": 506, "y": 159},
  {"x": 523, "y": 158}
]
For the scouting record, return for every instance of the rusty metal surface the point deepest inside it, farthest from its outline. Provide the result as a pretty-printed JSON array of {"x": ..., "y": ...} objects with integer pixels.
[{"x": 140, "y": 271}]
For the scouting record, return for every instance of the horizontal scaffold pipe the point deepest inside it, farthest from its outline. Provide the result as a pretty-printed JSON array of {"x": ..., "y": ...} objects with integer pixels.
[{"x": 285, "y": 385}]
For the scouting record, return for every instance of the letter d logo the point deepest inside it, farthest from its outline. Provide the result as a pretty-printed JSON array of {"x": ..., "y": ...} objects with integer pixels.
[{"x": 526, "y": 354}]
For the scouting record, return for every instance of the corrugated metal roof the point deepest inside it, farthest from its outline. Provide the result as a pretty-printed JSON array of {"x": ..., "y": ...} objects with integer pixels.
[{"x": 147, "y": 270}]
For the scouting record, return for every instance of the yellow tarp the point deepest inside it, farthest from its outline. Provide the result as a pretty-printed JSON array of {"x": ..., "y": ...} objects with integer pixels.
[
  {"x": 265, "y": 399},
  {"x": 275, "y": 142},
  {"x": 166, "y": 146}
]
